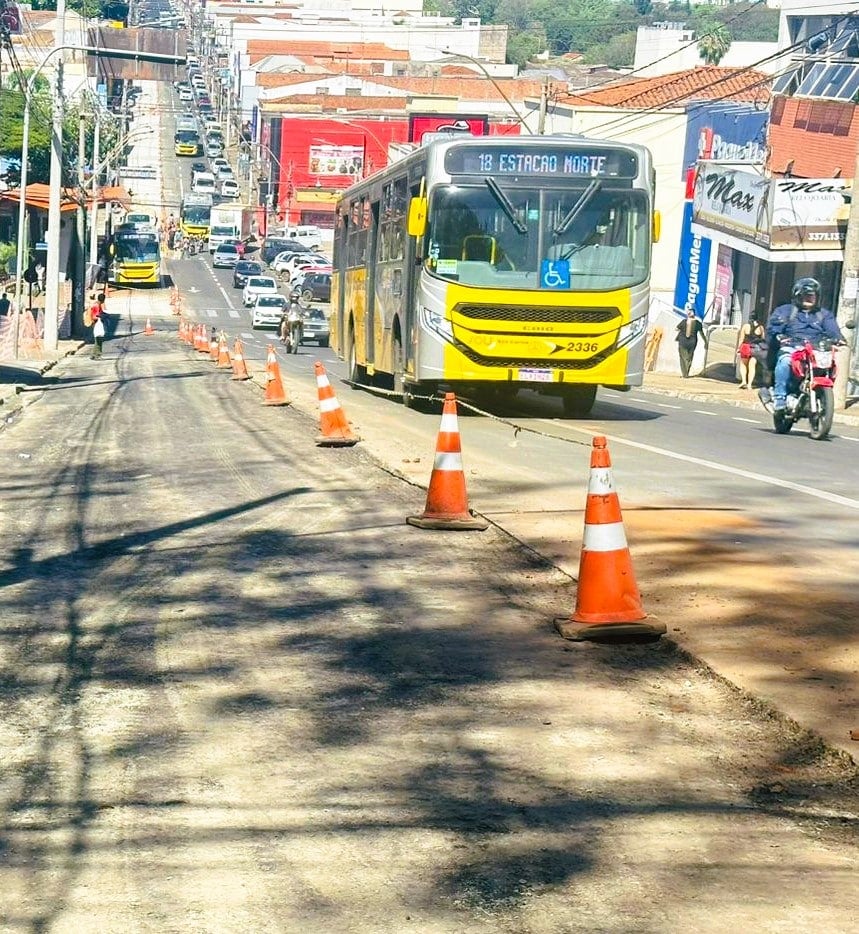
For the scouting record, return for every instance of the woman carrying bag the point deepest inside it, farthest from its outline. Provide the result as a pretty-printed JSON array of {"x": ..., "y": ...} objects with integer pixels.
[{"x": 94, "y": 318}]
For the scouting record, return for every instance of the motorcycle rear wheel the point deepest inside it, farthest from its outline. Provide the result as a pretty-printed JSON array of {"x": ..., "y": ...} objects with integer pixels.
[{"x": 821, "y": 421}]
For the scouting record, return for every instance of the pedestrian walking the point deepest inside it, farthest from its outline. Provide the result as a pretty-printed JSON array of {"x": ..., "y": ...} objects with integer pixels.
[
  {"x": 688, "y": 332},
  {"x": 5, "y": 305},
  {"x": 94, "y": 318}
]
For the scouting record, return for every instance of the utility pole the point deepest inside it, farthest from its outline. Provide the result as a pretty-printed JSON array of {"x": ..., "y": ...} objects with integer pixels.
[
  {"x": 544, "y": 106},
  {"x": 847, "y": 381},
  {"x": 80, "y": 264},
  {"x": 93, "y": 221},
  {"x": 52, "y": 263}
]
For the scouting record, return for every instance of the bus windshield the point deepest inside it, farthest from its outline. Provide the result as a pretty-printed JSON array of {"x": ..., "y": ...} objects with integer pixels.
[
  {"x": 197, "y": 215},
  {"x": 499, "y": 235},
  {"x": 137, "y": 248}
]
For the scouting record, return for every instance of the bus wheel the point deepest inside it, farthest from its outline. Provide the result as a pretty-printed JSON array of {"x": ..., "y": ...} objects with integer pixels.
[{"x": 578, "y": 401}]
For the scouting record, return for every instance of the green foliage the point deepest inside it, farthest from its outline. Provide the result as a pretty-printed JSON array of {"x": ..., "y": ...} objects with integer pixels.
[
  {"x": 714, "y": 44},
  {"x": 749, "y": 23},
  {"x": 12, "y": 129},
  {"x": 618, "y": 52},
  {"x": 643, "y": 7},
  {"x": 522, "y": 47}
]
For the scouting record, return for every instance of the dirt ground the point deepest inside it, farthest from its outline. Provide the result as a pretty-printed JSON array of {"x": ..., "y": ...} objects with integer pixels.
[{"x": 240, "y": 693}]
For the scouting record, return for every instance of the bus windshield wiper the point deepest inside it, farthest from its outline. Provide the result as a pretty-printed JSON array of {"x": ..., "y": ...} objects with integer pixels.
[
  {"x": 578, "y": 207},
  {"x": 507, "y": 204}
]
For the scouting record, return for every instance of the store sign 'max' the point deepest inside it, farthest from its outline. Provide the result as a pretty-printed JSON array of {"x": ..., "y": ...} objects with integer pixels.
[{"x": 781, "y": 213}]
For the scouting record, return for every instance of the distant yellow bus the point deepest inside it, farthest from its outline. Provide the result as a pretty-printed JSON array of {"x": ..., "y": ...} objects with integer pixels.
[
  {"x": 135, "y": 258},
  {"x": 487, "y": 265},
  {"x": 186, "y": 143},
  {"x": 195, "y": 215}
]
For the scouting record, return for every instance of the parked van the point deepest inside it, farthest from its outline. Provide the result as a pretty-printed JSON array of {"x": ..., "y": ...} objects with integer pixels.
[
  {"x": 308, "y": 234},
  {"x": 204, "y": 184}
]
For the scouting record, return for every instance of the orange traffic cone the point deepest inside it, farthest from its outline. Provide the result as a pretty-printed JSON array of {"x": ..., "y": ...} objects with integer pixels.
[
  {"x": 334, "y": 430},
  {"x": 240, "y": 368},
  {"x": 275, "y": 394},
  {"x": 447, "y": 501},
  {"x": 202, "y": 343},
  {"x": 223, "y": 353},
  {"x": 608, "y": 603},
  {"x": 148, "y": 329}
]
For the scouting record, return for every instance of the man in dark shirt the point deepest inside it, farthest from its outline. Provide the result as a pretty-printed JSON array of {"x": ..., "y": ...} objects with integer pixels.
[
  {"x": 688, "y": 332},
  {"x": 790, "y": 326},
  {"x": 5, "y": 305}
]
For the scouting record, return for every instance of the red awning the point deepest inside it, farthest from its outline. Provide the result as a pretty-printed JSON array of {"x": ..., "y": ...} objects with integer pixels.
[{"x": 38, "y": 195}]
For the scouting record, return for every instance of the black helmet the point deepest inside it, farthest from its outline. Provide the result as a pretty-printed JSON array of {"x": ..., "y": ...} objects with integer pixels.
[{"x": 805, "y": 287}]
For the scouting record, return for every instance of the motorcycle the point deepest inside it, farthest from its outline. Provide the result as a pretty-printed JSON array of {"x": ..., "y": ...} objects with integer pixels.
[
  {"x": 292, "y": 325},
  {"x": 809, "y": 390}
]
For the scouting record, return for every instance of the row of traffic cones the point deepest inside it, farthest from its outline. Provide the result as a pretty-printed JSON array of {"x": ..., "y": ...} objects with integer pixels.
[
  {"x": 608, "y": 602},
  {"x": 334, "y": 429}
]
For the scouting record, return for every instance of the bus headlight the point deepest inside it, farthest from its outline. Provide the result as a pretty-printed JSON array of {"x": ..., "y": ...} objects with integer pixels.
[
  {"x": 436, "y": 322},
  {"x": 632, "y": 331}
]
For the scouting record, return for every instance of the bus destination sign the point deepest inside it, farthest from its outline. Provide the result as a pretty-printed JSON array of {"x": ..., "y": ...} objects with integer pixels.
[{"x": 579, "y": 162}]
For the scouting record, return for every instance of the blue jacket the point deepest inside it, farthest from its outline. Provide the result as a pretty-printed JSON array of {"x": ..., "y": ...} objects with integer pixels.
[{"x": 800, "y": 325}]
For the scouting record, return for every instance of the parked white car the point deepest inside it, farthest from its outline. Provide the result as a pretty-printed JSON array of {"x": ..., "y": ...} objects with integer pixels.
[
  {"x": 256, "y": 286},
  {"x": 289, "y": 262},
  {"x": 229, "y": 188}
]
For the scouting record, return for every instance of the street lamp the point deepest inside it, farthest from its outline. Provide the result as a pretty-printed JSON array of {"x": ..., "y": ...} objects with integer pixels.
[
  {"x": 495, "y": 84},
  {"x": 52, "y": 313}
]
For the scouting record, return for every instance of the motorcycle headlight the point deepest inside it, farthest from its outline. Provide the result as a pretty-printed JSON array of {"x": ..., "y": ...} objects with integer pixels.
[
  {"x": 823, "y": 359},
  {"x": 632, "y": 331},
  {"x": 436, "y": 322}
]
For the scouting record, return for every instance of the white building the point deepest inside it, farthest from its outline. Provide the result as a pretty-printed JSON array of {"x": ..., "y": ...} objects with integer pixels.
[{"x": 668, "y": 47}]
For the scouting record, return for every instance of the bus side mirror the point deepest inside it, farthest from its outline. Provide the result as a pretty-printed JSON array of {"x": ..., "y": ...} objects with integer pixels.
[
  {"x": 417, "y": 216},
  {"x": 657, "y": 225}
]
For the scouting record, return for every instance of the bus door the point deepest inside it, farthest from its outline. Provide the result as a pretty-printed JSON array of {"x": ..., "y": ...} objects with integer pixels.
[
  {"x": 414, "y": 248},
  {"x": 370, "y": 222},
  {"x": 338, "y": 300}
]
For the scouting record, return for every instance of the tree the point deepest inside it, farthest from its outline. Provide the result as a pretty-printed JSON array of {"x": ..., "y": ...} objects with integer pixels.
[
  {"x": 12, "y": 129},
  {"x": 618, "y": 52},
  {"x": 643, "y": 7},
  {"x": 713, "y": 45},
  {"x": 522, "y": 47}
]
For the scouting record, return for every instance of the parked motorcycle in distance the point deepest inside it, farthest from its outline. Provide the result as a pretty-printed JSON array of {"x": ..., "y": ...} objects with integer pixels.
[
  {"x": 292, "y": 323},
  {"x": 809, "y": 391}
]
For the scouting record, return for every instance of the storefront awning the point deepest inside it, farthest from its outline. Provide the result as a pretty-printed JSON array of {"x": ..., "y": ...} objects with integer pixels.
[{"x": 769, "y": 256}]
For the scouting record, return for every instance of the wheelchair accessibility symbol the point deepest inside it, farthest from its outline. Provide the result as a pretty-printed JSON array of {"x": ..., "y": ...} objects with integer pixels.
[{"x": 555, "y": 274}]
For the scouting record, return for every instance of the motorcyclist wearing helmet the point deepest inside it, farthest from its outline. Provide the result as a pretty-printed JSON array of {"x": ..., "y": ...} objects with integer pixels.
[{"x": 790, "y": 326}]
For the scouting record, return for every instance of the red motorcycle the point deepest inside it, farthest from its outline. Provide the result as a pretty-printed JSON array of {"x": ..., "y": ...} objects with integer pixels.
[{"x": 810, "y": 390}]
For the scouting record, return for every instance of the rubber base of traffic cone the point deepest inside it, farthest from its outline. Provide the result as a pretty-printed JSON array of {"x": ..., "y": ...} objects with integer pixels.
[
  {"x": 470, "y": 523},
  {"x": 645, "y": 630}
]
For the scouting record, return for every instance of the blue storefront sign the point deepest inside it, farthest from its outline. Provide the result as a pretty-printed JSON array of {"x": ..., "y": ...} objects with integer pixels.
[
  {"x": 725, "y": 132},
  {"x": 693, "y": 267}
]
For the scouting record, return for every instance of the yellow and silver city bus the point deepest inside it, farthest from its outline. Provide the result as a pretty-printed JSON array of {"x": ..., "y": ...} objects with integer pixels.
[
  {"x": 492, "y": 264},
  {"x": 135, "y": 257},
  {"x": 195, "y": 215}
]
